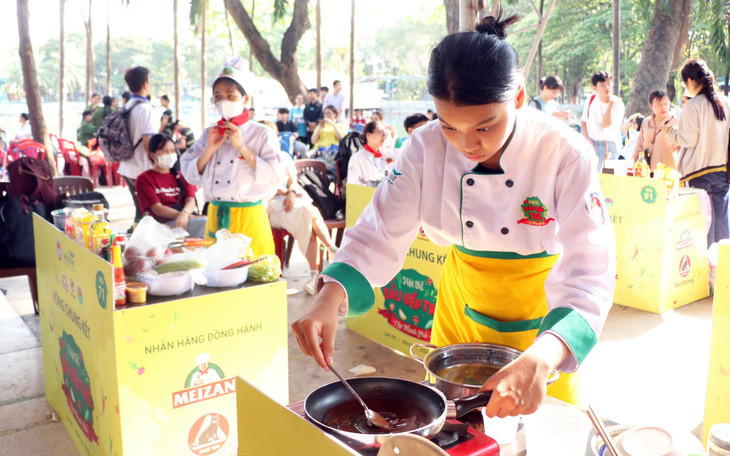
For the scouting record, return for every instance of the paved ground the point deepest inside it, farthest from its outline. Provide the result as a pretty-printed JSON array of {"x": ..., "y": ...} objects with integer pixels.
[{"x": 646, "y": 369}]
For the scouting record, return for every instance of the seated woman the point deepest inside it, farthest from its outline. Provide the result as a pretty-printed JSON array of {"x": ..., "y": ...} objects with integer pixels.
[
  {"x": 292, "y": 210},
  {"x": 327, "y": 133},
  {"x": 390, "y": 138},
  {"x": 164, "y": 194},
  {"x": 373, "y": 158}
]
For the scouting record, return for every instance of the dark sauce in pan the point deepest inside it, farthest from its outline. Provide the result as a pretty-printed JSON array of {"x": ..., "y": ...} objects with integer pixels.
[{"x": 403, "y": 416}]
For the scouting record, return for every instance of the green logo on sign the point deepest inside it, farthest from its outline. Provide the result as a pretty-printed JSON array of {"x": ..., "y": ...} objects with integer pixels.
[
  {"x": 648, "y": 194},
  {"x": 101, "y": 289}
]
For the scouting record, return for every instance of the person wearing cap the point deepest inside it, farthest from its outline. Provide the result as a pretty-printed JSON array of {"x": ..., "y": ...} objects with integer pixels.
[
  {"x": 515, "y": 195},
  {"x": 235, "y": 162},
  {"x": 204, "y": 373}
]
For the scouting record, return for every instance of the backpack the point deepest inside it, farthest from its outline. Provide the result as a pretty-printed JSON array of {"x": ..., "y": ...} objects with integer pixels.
[
  {"x": 590, "y": 102},
  {"x": 537, "y": 104},
  {"x": 32, "y": 178},
  {"x": 114, "y": 138},
  {"x": 17, "y": 245},
  {"x": 326, "y": 201},
  {"x": 348, "y": 146}
]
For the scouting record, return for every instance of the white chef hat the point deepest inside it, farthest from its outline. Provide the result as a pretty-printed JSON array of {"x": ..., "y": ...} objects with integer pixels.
[
  {"x": 203, "y": 358},
  {"x": 236, "y": 69}
]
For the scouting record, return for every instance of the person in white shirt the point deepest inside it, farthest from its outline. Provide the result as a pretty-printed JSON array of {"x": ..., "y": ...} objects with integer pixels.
[
  {"x": 516, "y": 196},
  {"x": 23, "y": 131},
  {"x": 142, "y": 127},
  {"x": 603, "y": 114},
  {"x": 235, "y": 162},
  {"x": 372, "y": 158},
  {"x": 336, "y": 99}
]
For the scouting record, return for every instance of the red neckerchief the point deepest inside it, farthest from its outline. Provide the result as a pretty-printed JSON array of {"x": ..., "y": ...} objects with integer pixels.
[
  {"x": 203, "y": 371},
  {"x": 238, "y": 120},
  {"x": 374, "y": 152}
]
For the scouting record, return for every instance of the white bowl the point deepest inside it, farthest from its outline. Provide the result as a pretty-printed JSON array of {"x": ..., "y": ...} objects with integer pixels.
[
  {"x": 683, "y": 443},
  {"x": 226, "y": 277},
  {"x": 168, "y": 284}
]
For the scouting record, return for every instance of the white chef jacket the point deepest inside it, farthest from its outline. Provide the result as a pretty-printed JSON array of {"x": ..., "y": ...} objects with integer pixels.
[
  {"x": 435, "y": 187},
  {"x": 364, "y": 164},
  {"x": 227, "y": 178}
]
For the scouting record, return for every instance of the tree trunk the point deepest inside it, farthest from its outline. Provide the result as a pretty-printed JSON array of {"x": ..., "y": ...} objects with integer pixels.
[
  {"x": 108, "y": 50},
  {"x": 352, "y": 56},
  {"x": 30, "y": 81},
  {"x": 176, "y": 60},
  {"x": 539, "y": 51},
  {"x": 284, "y": 70},
  {"x": 657, "y": 54},
  {"x": 250, "y": 51},
  {"x": 61, "y": 64},
  {"x": 452, "y": 16},
  {"x": 617, "y": 47},
  {"x": 230, "y": 34},
  {"x": 318, "y": 57},
  {"x": 89, "y": 57},
  {"x": 203, "y": 15}
]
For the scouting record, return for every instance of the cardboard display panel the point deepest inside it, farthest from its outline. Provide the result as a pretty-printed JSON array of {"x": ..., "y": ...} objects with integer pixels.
[{"x": 157, "y": 378}]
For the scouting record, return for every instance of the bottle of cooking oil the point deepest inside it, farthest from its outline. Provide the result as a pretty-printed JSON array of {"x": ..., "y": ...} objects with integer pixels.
[
  {"x": 100, "y": 232},
  {"x": 82, "y": 222}
]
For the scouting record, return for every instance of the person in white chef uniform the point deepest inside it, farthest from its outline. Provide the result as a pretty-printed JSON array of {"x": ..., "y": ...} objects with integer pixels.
[{"x": 515, "y": 194}]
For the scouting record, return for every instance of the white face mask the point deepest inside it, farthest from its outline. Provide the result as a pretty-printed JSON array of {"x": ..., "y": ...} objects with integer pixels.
[
  {"x": 167, "y": 161},
  {"x": 229, "y": 109}
]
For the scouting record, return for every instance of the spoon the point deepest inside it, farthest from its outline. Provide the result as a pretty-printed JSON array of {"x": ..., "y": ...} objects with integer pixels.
[{"x": 374, "y": 418}]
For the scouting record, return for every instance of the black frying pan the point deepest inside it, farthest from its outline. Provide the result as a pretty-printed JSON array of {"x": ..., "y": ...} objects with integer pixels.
[{"x": 424, "y": 409}]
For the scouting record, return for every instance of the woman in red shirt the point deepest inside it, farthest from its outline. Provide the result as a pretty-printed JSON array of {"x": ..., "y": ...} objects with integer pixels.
[{"x": 164, "y": 194}]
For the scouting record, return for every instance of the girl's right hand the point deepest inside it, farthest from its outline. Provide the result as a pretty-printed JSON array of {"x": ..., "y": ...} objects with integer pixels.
[
  {"x": 215, "y": 141},
  {"x": 315, "y": 331}
]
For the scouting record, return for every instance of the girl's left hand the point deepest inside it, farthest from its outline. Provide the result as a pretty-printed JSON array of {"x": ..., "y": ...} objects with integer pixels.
[
  {"x": 518, "y": 388},
  {"x": 234, "y": 134},
  {"x": 182, "y": 220}
]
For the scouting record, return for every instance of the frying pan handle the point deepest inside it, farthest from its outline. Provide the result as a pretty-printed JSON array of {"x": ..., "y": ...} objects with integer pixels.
[
  {"x": 418, "y": 345},
  {"x": 464, "y": 405},
  {"x": 554, "y": 376}
]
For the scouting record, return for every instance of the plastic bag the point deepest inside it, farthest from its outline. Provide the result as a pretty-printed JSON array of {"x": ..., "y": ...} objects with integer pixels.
[
  {"x": 266, "y": 270},
  {"x": 228, "y": 249},
  {"x": 146, "y": 246}
]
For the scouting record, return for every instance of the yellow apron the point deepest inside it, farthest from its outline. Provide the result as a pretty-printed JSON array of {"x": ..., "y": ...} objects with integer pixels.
[
  {"x": 496, "y": 300},
  {"x": 246, "y": 218}
]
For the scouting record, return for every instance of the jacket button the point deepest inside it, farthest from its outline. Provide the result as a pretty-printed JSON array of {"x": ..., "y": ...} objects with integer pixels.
[
  {"x": 470, "y": 181},
  {"x": 216, "y": 182},
  {"x": 505, "y": 230},
  {"x": 509, "y": 183},
  {"x": 231, "y": 161},
  {"x": 229, "y": 182},
  {"x": 469, "y": 223}
]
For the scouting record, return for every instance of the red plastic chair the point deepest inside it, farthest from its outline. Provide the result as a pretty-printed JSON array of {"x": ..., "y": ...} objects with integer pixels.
[
  {"x": 30, "y": 148},
  {"x": 97, "y": 160},
  {"x": 70, "y": 154}
]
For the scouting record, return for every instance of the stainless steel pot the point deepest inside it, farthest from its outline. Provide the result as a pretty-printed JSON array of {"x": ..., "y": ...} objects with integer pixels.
[
  {"x": 451, "y": 357},
  {"x": 386, "y": 395}
]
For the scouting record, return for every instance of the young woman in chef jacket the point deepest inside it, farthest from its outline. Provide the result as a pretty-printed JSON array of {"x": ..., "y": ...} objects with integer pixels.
[
  {"x": 236, "y": 164},
  {"x": 515, "y": 193},
  {"x": 372, "y": 158}
]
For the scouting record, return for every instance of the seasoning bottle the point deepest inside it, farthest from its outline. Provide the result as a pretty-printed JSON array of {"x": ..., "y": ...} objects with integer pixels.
[
  {"x": 120, "y": 281},
  {"x": 718, "y": 442},
  {"x": 641, "y": 167},
  {"x": 100, "y": 231}
]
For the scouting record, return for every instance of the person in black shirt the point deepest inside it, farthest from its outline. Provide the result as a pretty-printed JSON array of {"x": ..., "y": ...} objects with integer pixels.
[
  {"x": 312, "y": 113},
  {"x": 187, "y": 137},
  {"x": 283, "y": 123}
]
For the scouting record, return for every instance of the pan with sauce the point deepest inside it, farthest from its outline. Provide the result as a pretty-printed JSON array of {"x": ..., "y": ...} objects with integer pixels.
[{"x": 403, "y": 416}]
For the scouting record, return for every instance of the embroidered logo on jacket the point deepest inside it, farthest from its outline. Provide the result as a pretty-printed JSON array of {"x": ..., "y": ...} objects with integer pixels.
[
  {"x": 535, "y": 212},
  {"x": 594, "y": 208},
  {"x": 393, "y": 176}
]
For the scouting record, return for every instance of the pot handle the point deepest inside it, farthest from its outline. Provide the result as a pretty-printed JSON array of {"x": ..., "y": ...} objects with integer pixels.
[
  {"x": 554, "y": 376},
  {"x": 464, "y": 405},
  {"x": 421, "y": 345}
]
